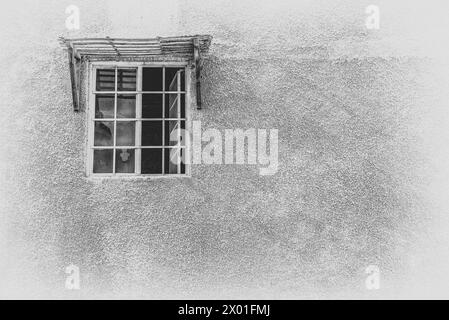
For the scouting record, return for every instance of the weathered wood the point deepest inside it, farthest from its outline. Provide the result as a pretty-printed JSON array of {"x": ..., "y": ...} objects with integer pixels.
[
  {"x": 113, "y": 47},
  {"x": 139, "y": 58},
  {"x": 112, "y": 54},
  {"x": 74, "y": 79},
  {"x": 125, "y": 44},
  {"x": 109, "y": 51},
  {"x": 204, "y": 39},
  {"x": 120, "y": 49}
]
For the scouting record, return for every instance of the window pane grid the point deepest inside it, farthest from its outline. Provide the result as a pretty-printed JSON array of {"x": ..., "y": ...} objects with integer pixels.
[
  {"x": 128, "y": 103},
  {"x": 178, "y": 123},
  {"x": 139, "y": 122},
  {"x": 163, "y": 122},
  {"x": 115, "y": 122},
  {"x": 140, "y": 92},
  {"x": 140, "y": 147},
  {"x": 139, "y": 119}
]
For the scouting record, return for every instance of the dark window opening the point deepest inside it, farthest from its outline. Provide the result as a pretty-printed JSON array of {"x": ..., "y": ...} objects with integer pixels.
[{"x": 137, "y": 122}]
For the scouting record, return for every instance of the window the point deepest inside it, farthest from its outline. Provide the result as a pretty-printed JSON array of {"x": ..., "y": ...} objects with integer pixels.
[
  {"x": 136, "y": 111},
  {"x": 138, "y": 100}
]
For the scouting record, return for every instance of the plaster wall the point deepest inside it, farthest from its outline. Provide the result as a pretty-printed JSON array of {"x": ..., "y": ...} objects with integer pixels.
[{"x": 362, "y": 120}]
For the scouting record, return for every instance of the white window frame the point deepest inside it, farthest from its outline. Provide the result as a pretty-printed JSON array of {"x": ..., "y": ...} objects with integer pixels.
[{"x": 91, "y": 90}]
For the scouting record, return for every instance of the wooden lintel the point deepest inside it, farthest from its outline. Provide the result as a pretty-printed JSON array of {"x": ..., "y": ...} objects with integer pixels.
[
  {"x": 81, "y": 50},
  {"x": 113, "y": 47},
  {"x": 197, "y": 61},
  {"x": 74, "y": 77}
]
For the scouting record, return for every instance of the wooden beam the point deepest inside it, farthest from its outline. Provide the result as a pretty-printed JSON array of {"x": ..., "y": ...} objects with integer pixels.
[
  {"x": 197, "y": 59},
  {"x": 74, "y": 79},
  {"x": 121, "y": 49},
  {"x": 114, "y": 47}
]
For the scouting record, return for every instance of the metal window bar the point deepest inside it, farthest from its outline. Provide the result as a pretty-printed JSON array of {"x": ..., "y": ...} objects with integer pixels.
[
  {"x": 178, "y": 76},
  {"x": 138, "y": 152},
  {"x": 138, "y": 120},
  {"x": 163, "y": 120},
  {"x": 115, "y": 124}
]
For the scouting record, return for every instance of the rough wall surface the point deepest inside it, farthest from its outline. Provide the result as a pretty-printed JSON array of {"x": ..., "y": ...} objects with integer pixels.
[{"x": 362, "y": 142}]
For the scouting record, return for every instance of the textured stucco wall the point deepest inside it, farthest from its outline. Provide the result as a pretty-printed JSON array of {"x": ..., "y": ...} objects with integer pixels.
[{"x": 362, "y": 142}]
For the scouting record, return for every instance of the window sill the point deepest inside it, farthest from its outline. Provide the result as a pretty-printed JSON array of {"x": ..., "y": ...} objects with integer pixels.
[{"x": 129, "y": 177}]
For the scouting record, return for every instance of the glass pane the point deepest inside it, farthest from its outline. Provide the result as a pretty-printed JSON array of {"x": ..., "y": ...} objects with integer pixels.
[
  {"x": 151, "y": 133},
  {"x": 126, "y": 79},
  {"x": 104, "y": 106},
  {"x": 103, "y": 161},
  {"x": 174, "y": 134},
  {"x": 183, "y": 105},
  {"x": 106, "y": 80},
  {"x": 126, "y": 106},
  {"x": 126, "y": 131},
  {"x": 172, "y": 157},
  {"x": 152, "y": 106},
  {"x": 183, "y": 161},
  {"x": 124, "y": 161},
  {"x": 171, "y": 106},
  {"x": 104, "y": 133},
  {"x": 171, "y": 79},
  {"x": 152, "y": 79},
  {"x": 151, "y": 161}
]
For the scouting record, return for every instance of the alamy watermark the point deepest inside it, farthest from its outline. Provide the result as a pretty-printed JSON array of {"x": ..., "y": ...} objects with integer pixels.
[
  {"x": 72, "y": 281},
  {"x": 372, "y": 22},
  {"x": 72, "y": 22},
  {"x": 232, "y": 146},
  {"x": 372, "y": 281}
]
